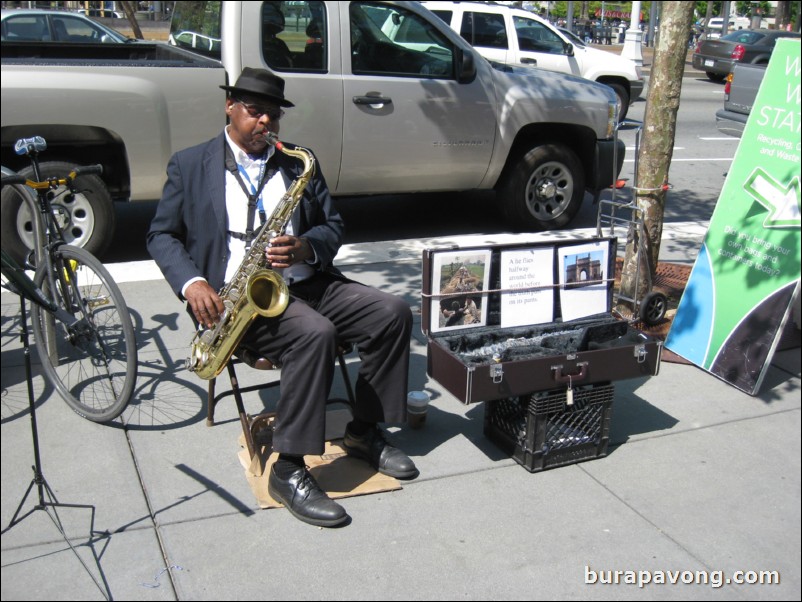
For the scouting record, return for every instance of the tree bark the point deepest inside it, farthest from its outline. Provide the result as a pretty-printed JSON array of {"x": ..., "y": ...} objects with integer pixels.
[
  {"x": 783, "y": 14},
  {"x": 656, "y": 149},
  {"x": 708, "y": 16}
]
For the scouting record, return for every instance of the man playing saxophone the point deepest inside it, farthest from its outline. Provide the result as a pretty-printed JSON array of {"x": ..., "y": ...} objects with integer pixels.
[{"x": 205, "y": 223}]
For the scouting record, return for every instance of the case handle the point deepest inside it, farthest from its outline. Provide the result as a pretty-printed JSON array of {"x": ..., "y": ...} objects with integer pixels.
[{"x": 564, "y": 378}]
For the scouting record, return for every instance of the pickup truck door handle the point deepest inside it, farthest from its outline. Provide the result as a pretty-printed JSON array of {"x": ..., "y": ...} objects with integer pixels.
[
  {"x": 372, "y": 100},
  {"x": 528, "y": 61}
]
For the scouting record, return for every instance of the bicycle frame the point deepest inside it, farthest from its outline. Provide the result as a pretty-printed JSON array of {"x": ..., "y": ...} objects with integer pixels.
[
  {"x": 31, "y": 200},
  {"x": 82, "y": 327},
  {"x": 21, "y": 284},
  {"x": 48, "y": 236}
]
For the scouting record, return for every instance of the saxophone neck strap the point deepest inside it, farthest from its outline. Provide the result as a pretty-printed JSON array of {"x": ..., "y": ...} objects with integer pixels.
[{"x": 252, "y": 194}]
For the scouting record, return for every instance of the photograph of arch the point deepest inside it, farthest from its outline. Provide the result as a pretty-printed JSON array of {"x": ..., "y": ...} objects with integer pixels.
[
  {"x": 584, "y": 279},
  {"x": 584, "y": 270}
]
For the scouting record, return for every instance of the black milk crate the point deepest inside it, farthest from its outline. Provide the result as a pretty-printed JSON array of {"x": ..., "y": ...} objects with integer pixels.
[{"x": 542, "y": 431}]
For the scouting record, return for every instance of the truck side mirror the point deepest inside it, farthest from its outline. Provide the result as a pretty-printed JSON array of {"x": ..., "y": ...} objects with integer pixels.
[
  {"x": 568, "y": 49},
  {"x": 466, "y": 68}
]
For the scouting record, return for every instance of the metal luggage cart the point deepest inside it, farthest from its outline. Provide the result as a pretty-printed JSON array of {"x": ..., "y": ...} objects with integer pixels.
[{"x": 626, "y": 216}]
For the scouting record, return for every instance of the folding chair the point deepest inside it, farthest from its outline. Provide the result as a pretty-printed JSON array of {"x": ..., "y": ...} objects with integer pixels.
[{"x": 260, "y": 363}]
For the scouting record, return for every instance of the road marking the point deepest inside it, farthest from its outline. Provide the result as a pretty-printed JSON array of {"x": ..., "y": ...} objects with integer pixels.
[
  {"x": 711, "y": 139},
  {"x": 674, "y": 159},
  {"x": 632, "y": 148}
]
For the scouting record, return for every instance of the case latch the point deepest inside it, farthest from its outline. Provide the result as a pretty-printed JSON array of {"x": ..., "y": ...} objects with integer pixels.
[
  {"x": 640, "y": 353},
  {"x": 496, "y": 373}
]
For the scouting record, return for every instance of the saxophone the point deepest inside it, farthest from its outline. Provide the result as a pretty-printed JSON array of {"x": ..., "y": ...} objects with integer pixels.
[{"x": 255, "y": 290}]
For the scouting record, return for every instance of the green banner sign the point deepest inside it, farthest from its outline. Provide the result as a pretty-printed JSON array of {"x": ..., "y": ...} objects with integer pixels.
[{"x": 739, "y": 294}]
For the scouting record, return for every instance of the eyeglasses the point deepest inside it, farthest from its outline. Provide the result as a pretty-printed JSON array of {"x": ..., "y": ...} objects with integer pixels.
[{"x": 256, "y": 111}]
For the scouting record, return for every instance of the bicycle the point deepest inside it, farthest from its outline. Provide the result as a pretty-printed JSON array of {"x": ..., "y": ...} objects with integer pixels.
[{"x": 84, "y": 336}]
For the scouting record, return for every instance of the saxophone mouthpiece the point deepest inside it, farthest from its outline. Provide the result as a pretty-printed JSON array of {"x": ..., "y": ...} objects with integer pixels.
[{"x": 272, "y": 139}]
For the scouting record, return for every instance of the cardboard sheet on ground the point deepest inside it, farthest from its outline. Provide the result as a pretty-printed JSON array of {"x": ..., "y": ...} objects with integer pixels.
[{"x": 339, "y": 475}]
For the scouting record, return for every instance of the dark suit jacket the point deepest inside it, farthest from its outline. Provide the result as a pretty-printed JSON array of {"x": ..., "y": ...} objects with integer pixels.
[{"x": 188, "y": 235}]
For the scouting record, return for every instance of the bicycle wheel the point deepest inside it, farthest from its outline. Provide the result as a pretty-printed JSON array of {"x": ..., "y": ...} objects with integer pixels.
[{"x": 94, "y": 368}]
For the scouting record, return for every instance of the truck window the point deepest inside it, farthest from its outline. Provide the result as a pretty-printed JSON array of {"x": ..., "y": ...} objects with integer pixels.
[
  {"x": 389, "y": 40},
  {"x": 19, "y": 28},
  {"x": 294, "y": 36},
  {"x": 536, "y": 37},
  {"x": 196, "y": 27},
  {"x": 484, "y": 29}
]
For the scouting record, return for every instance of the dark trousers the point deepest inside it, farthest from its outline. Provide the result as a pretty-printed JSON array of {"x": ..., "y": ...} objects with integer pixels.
[{"x": 322, "y": 312}]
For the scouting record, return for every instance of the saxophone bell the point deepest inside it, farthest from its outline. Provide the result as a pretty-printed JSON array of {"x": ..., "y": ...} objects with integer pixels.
[{"x": 267, "y": 293}]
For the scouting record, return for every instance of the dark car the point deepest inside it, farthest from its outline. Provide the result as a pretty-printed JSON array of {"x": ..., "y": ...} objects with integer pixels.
[
  {"x": 56, "y": 26},
  {"x": 716, "y": 57}
]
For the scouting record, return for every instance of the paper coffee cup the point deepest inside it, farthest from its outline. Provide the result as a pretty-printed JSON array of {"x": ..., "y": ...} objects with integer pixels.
[{"x": 417, "y": 407}]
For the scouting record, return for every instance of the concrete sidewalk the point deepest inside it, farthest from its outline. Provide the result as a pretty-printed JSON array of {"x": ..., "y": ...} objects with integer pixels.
[{"x": 701, "y": 483}]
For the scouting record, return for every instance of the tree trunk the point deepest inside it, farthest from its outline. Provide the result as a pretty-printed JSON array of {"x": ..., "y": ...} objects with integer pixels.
[
  {"x": 656, "y": 147},
  {"x": 129, "y": 12},
  {"x": 783, "y": 14},
  {"x": 708, "y": 16}
]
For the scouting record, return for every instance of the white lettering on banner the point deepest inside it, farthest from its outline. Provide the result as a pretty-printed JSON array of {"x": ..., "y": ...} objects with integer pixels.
[
  {"x": 779, "y": 119},
  {"x": 792, "y": 66}
]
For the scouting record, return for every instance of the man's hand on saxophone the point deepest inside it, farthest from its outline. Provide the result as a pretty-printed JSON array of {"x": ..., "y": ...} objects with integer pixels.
[
  {"x": 205, "y": 303},
  {"x": 283, "y": 251}
]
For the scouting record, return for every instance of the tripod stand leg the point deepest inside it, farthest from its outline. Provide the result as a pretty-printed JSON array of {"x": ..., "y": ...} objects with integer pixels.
[
  {"x": 14, "y": 519},
  {"x": 39, "y": 479}
]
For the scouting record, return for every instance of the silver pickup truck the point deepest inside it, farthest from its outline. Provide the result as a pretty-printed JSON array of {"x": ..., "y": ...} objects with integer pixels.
[
  {"x": 740, "y": 92},
  {"x": 387, "y": 95}
]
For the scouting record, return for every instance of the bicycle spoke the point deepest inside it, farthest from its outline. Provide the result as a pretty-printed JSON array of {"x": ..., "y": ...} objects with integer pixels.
[{"x": 92, "y": 362}]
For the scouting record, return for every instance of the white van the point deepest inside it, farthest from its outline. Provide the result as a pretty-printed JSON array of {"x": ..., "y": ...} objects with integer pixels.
[
  {"x": 512, "y": 36},
  {"x": 716, "y": 24}
]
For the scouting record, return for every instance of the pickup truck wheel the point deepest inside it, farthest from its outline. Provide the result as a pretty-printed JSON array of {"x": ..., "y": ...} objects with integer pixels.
[
  {"x": 714, "y": 77},
  {"x": 623, "y": 100},
  {"x": 86, "y": 218},
  {"x": 545, "y": 189}
]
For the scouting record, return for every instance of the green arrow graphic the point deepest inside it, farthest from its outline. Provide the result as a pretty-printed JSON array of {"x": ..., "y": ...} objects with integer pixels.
[{"x": 781, "y": 201}]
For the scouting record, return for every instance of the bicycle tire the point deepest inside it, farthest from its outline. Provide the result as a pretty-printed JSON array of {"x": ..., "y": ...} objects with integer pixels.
[{"x": 95, "y": 377}]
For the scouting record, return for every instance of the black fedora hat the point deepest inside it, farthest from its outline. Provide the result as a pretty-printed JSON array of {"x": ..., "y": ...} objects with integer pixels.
[{"x": 259, "y": 82}]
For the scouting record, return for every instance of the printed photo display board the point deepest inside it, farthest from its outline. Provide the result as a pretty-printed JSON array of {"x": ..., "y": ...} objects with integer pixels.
[{"x": 528, "y": 277}]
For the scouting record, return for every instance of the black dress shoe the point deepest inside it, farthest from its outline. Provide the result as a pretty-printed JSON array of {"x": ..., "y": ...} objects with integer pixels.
[
  {"x": 382, "y": 456},
  {"x": 304, "y": 498}
]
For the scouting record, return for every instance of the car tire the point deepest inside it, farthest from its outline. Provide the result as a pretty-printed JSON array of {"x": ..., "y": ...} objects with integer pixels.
[
  {"x": 88, "y": 217},
  {"x": 714, "y": 77},
  {"x": 544, "y": 190},
  {"x": 623, "y": 99}
]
